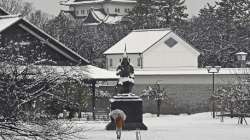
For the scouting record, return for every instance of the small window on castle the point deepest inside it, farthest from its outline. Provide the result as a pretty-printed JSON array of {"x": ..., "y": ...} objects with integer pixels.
[
  {"x": 171, "y": 42},
  {"x": 126, "y": 10},
  {"x": 117, "y": 10},
  {"x": 139, "y": 61},
  {"x": 77, "y": 12},
  {"x": 110, "y": 62},
  {"x": 82, "y": 12}
]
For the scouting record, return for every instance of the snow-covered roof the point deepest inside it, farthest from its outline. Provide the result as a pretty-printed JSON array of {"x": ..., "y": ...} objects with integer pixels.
[
  {"x": 98, "y": 16},
  {"x": 138, "y": 41},
  {"x": 197, "y": 71},
  {"x": 74, "y": 2},
  {"x": 9, "y": 20},
  {"x": 94, "y": 72},
  {"x": 112, "y": 19},
  {"x": 88, "y": 72}
]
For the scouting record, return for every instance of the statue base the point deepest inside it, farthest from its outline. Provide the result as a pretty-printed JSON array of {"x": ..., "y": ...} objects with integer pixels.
[{"x": 132, "y": 106}]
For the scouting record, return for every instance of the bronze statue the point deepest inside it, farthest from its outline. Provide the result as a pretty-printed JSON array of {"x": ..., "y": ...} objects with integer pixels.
[{"x": 126, "y": 73}]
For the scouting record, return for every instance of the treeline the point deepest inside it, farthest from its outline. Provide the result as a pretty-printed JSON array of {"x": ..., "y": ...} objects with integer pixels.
[{"x": 218, "y": 32}]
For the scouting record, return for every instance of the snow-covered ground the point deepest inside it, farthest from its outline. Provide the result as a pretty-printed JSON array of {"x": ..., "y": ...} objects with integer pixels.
[{"x": 170, "y": 127}]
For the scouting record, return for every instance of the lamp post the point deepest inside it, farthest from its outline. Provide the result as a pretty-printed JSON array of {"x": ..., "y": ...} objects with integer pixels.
[
  {"x": 241, "y": 56},
  {"x": 213, "y": 70}
]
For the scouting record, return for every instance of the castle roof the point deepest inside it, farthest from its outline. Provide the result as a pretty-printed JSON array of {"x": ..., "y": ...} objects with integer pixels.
[{"x": 79, "y": 2}]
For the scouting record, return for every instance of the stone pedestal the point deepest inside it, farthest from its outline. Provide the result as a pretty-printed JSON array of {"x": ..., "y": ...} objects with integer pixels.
[{"x": 132, "y": 106}]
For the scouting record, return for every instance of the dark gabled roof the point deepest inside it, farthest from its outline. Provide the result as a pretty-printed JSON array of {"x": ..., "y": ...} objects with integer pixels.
[
  {"x": 10, "y": 20},
  {"x": 3, "y": 12}
]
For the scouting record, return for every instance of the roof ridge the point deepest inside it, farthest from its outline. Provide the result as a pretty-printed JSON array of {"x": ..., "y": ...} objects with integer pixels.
[
  {"x": 10, "y": 16},
  {"x": 156, "y": 29}
]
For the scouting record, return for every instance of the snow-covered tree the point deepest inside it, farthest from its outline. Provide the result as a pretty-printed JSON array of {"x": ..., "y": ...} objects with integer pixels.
[
  {"x": 27, "y": 89},
  {"x": 89, "y": 41},
  {"x": 158, "y": 14},
  {"x": 27, "y": 10},
  {"x": 220, "y": 31},
  {"x": 235, "y": 98}
]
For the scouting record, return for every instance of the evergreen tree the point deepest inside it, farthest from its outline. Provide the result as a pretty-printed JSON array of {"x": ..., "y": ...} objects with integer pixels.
[
  {"x": 220, "y": 31},
  {"x": 157, "y": 14},
  {"x": 171, "y": 12}
]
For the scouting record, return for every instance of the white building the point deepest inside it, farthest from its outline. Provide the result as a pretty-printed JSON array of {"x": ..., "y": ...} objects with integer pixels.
[
  {"x": 153, "y": 49},
  {"x": 80, "y": 8}
]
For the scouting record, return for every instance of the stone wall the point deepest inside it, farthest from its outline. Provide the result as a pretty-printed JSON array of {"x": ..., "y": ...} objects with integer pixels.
[{"x": 182, "y": 99}]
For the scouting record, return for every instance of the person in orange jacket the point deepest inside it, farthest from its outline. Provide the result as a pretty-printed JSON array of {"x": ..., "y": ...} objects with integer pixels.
[{"x": 119, "y": 122}]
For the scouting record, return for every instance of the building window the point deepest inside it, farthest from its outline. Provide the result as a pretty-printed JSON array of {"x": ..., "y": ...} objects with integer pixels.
[
  {"x": 107, "y": 10},
  {"x": 117, "y": 10},
  {"x": 111, "y": 62},
  {"x": 139, "y": 62},
  {"x": 171, "y": 42},
  {"x": 126, "y": 10},
  {"x": 77, "y": 12},
  {"x": 82, "y": 12}
]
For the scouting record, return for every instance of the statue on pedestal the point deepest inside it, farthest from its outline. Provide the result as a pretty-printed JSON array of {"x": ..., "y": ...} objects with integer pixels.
[
  {"x": 126, "y": 73},
  {"x": 129, "y": 103}
]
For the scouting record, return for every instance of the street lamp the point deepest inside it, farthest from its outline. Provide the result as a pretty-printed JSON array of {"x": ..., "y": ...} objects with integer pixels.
[
  {"x": 241, "y": 56},
  {"x": 213, "y": 70}
]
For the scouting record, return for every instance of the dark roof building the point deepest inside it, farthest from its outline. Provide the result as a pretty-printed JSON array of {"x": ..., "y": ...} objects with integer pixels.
[
  {"x": 81, "y": 8},
  {"x": 36, "y": 44},
  {"x": 99, "y": 16}
]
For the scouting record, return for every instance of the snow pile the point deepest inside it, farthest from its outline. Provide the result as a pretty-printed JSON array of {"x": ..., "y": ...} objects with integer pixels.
[{"x": 170, "y": 127}]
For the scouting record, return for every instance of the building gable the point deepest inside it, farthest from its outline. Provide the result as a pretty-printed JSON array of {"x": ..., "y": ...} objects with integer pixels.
[
  {"x": 20, "y": 31},
  {"x": 171, "y": 40},
  {"x": 170, "y": 52}
]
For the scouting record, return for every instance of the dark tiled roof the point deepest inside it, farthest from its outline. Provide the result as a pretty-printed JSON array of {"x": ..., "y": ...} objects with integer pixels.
[
  {"x": 3, "y": 12},
  {"x": 10, "y": 20},
  {"x": 100, "y": 16}
]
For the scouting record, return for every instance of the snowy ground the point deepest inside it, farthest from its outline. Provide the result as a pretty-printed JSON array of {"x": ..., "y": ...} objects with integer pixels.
[{"x": 169, "y": 127}]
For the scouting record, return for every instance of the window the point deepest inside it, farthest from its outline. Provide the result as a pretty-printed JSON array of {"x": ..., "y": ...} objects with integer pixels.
[
  {"x": 82, "y": 12},
  {"x": 107, "y": 10},
  {"x": 171, "y": 42},
  {"x": 77, "y": 12},
  {"x": 117, "y": 10},
  {"x": 110, "y": 62},
  {"x": 139, "y": 62},
  {"x": 126, "y": 10}
]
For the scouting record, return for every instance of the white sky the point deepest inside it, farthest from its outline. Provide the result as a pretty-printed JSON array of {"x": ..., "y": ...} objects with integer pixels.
[{"x": 53, "y": 7}]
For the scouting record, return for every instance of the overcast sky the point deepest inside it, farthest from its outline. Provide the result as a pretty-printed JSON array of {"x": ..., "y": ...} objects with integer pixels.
[{"x": 53, "y": 7}]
